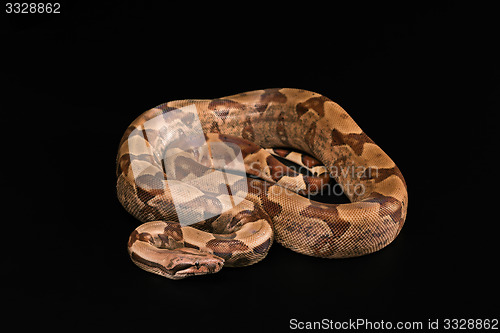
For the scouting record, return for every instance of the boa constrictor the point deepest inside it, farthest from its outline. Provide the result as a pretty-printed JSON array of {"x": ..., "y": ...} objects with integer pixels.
[{"x": 239, "y": 222}]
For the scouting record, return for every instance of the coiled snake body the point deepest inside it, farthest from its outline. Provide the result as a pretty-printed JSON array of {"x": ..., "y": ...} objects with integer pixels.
[{"x": 236, "y": 224}]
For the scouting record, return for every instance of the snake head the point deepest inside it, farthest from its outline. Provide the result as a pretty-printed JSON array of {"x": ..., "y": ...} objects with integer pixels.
[
  {"x": 191, "y": 262},
  {"x": 154, "y": 247}
]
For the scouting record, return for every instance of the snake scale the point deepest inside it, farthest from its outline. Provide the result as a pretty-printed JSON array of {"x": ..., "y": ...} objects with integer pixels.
[{"x": 158, "y": 168}]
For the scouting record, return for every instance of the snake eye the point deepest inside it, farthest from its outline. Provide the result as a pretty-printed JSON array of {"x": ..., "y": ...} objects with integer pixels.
[{"x": 197, "y": 264}]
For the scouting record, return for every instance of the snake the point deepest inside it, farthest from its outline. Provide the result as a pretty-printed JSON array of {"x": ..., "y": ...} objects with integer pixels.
[{"x": 207, "y": 180}]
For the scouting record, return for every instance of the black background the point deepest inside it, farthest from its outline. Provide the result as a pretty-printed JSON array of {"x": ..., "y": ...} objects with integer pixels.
[{"x": 421, "y": 80}]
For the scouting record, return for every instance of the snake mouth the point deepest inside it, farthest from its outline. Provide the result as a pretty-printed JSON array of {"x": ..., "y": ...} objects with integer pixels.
[{"x": 199, "y": 267}]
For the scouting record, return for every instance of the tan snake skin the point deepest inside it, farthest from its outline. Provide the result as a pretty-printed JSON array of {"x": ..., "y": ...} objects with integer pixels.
[{"x": 275, "y": 205}]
